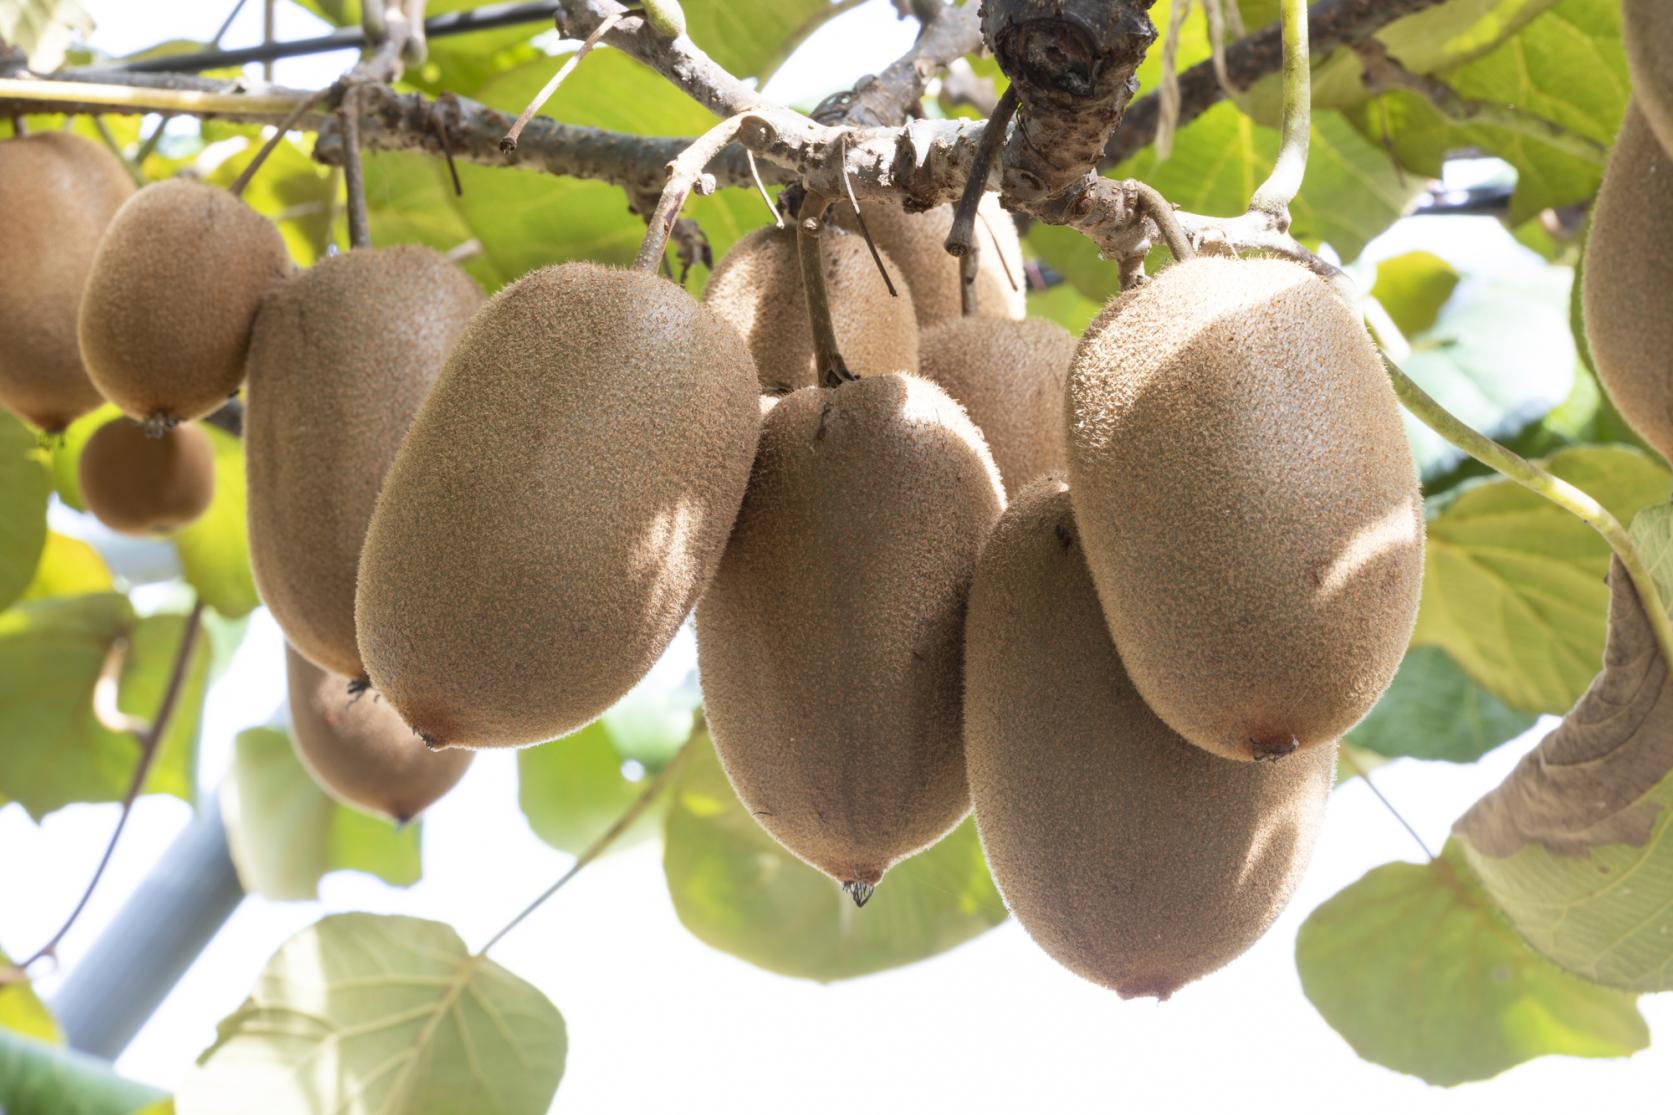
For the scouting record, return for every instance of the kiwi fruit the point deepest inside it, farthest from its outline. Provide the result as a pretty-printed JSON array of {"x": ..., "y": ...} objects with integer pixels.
[
  {"x": 1247, "y": 502},
  {"x": 917, "y": 242},
  {"x": 758, "y": 288},
  {"x": 341, "y": 357},
  {"x": 557, "y": 507},
  {"x": 1625, "y": 282},
  {"x": 1009, "y": 377},
  {"x": 169, "y": 305},
  {"x": 138, "y": 484},
  {"x": 1137, "y": 861},
  {"x": 358, "y": 749},
  {"x": 830, "y": 646},
  {"x": 57, "y": 194},
  {"x": 1647, "y": 34}
]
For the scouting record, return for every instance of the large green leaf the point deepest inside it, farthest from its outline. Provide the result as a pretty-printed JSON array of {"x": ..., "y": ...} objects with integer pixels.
[
  {"x": 1413, "y": 287},
  {"x": 751, "y": 37},
  {"x": 286, "y": 834},
  {"x": 1533, "y": 71},
  {"x": 574, "y": 788},
  {"x": 1513, "y": 585},
  {"x": 214, "y": 550},
  {"x": 57, "y": 752},
  {"x": 68, "y": 567},
  {"x": 1417, "y": 970},
  {"x": 22, "y": 1012},
  {"x": 1576, "y": 846},
  {"x": 41, "y": 1079},
  {"x": 735, "y": 888},
  {"x": 25, "y": 487},
  {"x": 1434, "y": 711},
  {"x": 361, "y": 1014}
]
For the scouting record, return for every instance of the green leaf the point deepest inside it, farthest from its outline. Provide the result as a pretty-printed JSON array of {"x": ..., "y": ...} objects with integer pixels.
[
  {"x": 1513, "y": 585},
  {"x": 574, "y": 788},
  {"x": 44, "y": 29},
  {"x": 65, "y": 453},
  {"x": 1434, "y": 711},
  {"x": 22, "y": 1012},
  {"x": 365, "y": 1013},
  {"x": 24, "y": 489},
  {"x": 214, "y": 550},
  {"x": 286, "y": 834},
  {"x": 1534, "y": 72},
  {"x": 41, "y": 1079},
  {"x": 1065, "y": 305},
  {"x": 1413, "y": 287},
  {"x": 1414, "y": 967},
  {"x": 735, "y": 888},
  {"x": 68, "y": 567},
  {"x": 1576, "y": 845},
  {"x": 751, "y": 37},
  {"x": 51, "y": 655}
]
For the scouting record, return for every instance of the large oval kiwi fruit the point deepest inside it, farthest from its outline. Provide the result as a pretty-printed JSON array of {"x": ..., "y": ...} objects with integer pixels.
[
  {"x": 1647, "y": 34},
  {"x": 758, "y": 288},
  {"x": 917, "y": 242},
  {"x": 166, "y": 317},
  {"x": 57, "y": 194},
  {"x": 1626, "y": 278},
  {"x": 1136, "y": 860},
  {"x": 830, "y": 645},
  {"x": 1009, "y": 376},
  {"x": 358, "y": 749},
  {"x": 341, "y": 358},
  {"x": 1248, "y": 503},
  {"x": 135, "y": 484},
  {"x": 557, "y": 507}
]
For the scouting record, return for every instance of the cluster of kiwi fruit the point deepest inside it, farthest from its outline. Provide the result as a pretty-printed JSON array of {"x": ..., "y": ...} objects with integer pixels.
[
  {"x": 1628, "y": 265},
  {"x": 1078, "y": 585}
]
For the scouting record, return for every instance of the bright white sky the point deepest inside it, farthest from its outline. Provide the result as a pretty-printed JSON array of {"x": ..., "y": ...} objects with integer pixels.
[{"x": 660, "y": 1022}]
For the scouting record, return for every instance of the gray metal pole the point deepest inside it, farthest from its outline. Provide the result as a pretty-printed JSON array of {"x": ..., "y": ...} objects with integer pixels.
[{"x": 136, "y": 962}]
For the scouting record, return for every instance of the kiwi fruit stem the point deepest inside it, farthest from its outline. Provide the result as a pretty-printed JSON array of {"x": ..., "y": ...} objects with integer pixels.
[
  {"x": 961, "y": 238},
  {"x": 831, "y": 370},
  {"x": 354, "y": 181},
  {"x": 1560, "y": 492}
]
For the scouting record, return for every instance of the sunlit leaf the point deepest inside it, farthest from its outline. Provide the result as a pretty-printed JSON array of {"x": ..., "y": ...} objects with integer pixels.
[
  {"x": 24, "y": 488},
  {"x": 43, "y": 29},
  {"x": 1413, "y": 287},
  {"x": 65, "y": 453},
  {"x": 1414, "y": 967},
  {"x": 574, "y": 788},
  {"x": 286, "y": 834},
  {"x": 22, "y": 1012},
  {"x": 41, "y": 1079},
  {"x": 214, "y": 550},
  {"x": 737, "y": 889},
  {"x": 68, "y": 567},
  {"x": 1434, "y": 711},
  {"x": 360, "y": 1014}
]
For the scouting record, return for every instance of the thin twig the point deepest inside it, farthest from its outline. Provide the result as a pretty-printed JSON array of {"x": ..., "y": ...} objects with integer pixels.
[
  {"x": 761, "y": 188},
  {"x": 859, "y": 217},
  {"x": 226, "y": 24},
  {"x": 109, "y": 141},
  {"x": 967, "y": 281},
  {"x": 243, "y": 180},
  {"x": 685, "y": 174},
  {"x": 354, "y": 181},
  {"x": 1157, "y": 208},
  {"x": 961, "y": 235},
  {"x": 150, "y": 743},
  {"x": 1543, "y": 483},
  {"x": 1365, "y": 777},
  {"x": 600, "y": 845},
  {"x": 1275, "y": 194},
  {"x": 509, "y": 143}
]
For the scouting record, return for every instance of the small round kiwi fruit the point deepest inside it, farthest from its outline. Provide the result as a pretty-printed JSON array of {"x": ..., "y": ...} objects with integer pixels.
[
  {"x": 135, "y": 484},
  {"x": 758, "y": 288},
  {"x": 57, "y": 194},
  {"x": 1247, "y": 501},
  {"x": 1136, "y": 860},
  {"x": 917, "y": 242},
  {"x": 557, "y": 507},
  {"x": 1009, "y": 377},
  {"x": 1647, "y": 34},
  {"x": 341, "y": 358},
  {"x": 166, "y": 317},
  {"x": 358, "y": 749},
  {"x": 1626, "y": 278},
  {"x": 830, "y": 646}
]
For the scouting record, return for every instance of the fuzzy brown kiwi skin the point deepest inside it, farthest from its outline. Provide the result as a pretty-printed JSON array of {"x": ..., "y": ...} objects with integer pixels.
[
  {"x": 758, "y": 288},
  {"x": 556, "y": 508},
  {"x": 1248, "y": 503},
  {"x": 1624, "y": 283},
  {"x": 137, "y": 484},
  {"x": 830, "y": 644},
  {"x": 172, "y": 297},
  {"x": 1009, "y": 376},
  {"x": 359, "y": 751},
  {"x": 57, "y": 193},
  {"x": 341, "y": 357},
  {"x": 1647, "y": 34},
  {"x": 916, "y": 242},
  {"x": 1136, "y": 860}
]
